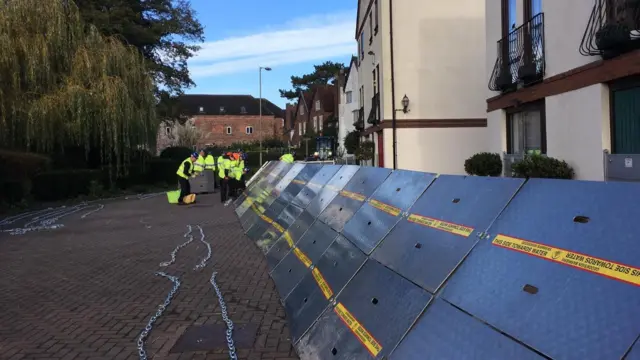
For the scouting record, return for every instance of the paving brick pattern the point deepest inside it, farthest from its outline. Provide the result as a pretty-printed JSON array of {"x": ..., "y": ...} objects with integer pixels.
[{"x": 85, "y": 291}]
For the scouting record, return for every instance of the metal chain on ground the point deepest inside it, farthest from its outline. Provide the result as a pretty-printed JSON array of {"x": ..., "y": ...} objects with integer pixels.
[
  {"x": 203, "y": 263},
  {"x": 161, "y": 308},
  {"x": 100, "y": 207},
  {"x": 225, "y": 318},
  {"x": 175, "y": 251},
  {"x": 46, "y": 220}
]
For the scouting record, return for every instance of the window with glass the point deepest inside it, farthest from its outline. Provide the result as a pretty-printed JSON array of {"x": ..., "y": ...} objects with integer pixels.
[
  {"x": 249, "y": 130},
  {"x": 349, "y": 97},
  {"x": 229, "y": 130},
  {"x": 526, "y": 132},
  {"x": 317, "y": 105}
]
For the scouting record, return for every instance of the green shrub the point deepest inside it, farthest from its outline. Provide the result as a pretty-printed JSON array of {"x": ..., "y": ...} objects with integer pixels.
[
  {"x": 484, "y": 164},
  {"x": 16, "y": 172},
  {"x": 537, "y": 166},
  {"x": 65, "y": 184},
  {"x": 352, "y": 141},
  {"x": 162, "y": 171},
  {"x": 177, "y": 153}
]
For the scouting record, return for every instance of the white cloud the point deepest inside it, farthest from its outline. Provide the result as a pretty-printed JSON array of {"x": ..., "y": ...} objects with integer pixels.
[{"x": 311, "y": 38}]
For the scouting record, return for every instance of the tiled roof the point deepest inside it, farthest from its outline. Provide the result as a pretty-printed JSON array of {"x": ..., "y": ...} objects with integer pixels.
[{"x": 194, "y": 104}]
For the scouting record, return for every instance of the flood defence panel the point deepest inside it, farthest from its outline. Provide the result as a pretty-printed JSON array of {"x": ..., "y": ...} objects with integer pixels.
[
  {"x": 443, "y": 225},
  {"x": 560, "y": 270},
  {"x": 379, "y": 214}
]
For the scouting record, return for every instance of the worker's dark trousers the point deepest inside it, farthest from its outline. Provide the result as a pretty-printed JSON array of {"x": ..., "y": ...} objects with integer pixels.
[
  {"x": 224, "y": 190},
  {"x": 185, "y": 188},
  {"x": 233, "y": 188}
]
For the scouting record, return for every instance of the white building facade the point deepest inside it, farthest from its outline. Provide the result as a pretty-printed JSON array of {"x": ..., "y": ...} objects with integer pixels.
[
  {"x": 432, "y": 54},
  {"x": 349, "y": 102},
  {"x": 563, "y": 82}
]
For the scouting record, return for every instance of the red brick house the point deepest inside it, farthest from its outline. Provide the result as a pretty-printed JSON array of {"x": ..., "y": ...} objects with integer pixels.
[
  {"x": 323, "y": 106},
  {"x": 226, "y": 119},
  {"x": 301, "y": 117}
]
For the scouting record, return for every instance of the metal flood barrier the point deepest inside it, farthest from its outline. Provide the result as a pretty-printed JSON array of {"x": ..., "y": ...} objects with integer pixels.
[{"x": 372, "y": 263}]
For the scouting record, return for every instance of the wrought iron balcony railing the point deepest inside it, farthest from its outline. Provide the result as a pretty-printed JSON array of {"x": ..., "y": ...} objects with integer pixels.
[
  {"x": 359, "y": 123},
  {"x": 613, "y": 28},
  {"x": 374, "y": 113},
  {"x": 520, "y": 57}
]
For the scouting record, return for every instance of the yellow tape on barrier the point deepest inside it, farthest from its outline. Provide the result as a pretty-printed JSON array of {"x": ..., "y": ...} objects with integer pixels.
[
  {"x": 369, "y": 342},
  {"x": 322, "y": 283},
  {"x": 389, "y": 209},
  {"x": 441, "y": 225},
  {"x": 592, "y": 264},
  {"x": 352, "y": 195},
  {"x": 299, "y": 182},
  {"x": 302, "y": 257}
]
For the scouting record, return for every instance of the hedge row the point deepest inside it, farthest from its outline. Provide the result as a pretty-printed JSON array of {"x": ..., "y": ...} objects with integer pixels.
[{"x": 66, "y": 184}]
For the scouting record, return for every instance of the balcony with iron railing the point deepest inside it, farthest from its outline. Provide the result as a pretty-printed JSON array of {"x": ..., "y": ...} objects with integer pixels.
[
  {"x": 613, "y": 28},
  {"x": 359, "y": 123},
  {"x": 374, "y": 113},
  {"x": 521, "y": 60}
]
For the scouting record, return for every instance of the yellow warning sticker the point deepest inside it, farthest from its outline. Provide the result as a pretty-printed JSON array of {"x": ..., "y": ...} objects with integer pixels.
[
  {"x": 322, "y": 283},
  {"x": 266, "y": 218},
  {"x": 352, "y": 195},
  {"x": 277, "y": 226},
  {"x": 389, "y": 209},
  {"x": 602, "y": 267},
  {"x": 358, "y": 330},
  {"x": 299, "y": 182},
  {"x": 441, "y": 225},
  {"x": 302, "y": 257},
  {"x": 288, "y": 239}
]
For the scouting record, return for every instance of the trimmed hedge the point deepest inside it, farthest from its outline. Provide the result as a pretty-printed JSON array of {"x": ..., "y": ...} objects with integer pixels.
[{"x": 484, "y": 164}]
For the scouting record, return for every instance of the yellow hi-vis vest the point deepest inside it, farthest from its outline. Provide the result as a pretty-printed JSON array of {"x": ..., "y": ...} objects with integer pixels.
[
  {"x": 209, "y": 163},
  {"x": 198, "y": 166},
  {"x": 180, "y": 171},
  {"x": 224, "y": 164},
  {"x": 288, "y": 158},
  {"x": 238, "y": 169}
]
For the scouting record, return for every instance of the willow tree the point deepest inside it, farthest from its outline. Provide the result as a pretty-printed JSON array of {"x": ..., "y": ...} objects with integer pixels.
[{"x": 64, "y": 84}]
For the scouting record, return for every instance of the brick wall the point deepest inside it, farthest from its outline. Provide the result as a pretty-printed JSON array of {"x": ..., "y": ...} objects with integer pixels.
[{"x": 214, "y": 128}]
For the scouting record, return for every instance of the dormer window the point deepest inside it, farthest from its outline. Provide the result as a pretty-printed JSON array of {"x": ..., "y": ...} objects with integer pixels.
[
  {"x": 221, "y": 109},
  {"x": 301, "y": 110},
  {"x": 317, "y": 105},
  {"x": 201, "y": 109},
  {"x": 243, "y": 110}
]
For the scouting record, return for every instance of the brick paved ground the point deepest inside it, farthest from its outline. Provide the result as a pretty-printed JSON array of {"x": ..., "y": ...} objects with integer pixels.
[{"x": 85, "y": 291}]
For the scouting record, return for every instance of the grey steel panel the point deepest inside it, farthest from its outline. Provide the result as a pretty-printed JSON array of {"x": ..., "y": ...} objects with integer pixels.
[
  {"x": 303, "y": 306},
  {"x": 307, "y": 301},
  {"x": 342, "y": 208},
  {"x": 369, "y": 225},
  {"x": 275, "y": 209},
  {"x": 317, "y": 182},
  {"x": 299, "y": 182},
  {"x": 288, "y": 274},
  {"x": 257, "y": 230},
  {"x": 277, "y": 252},
  {"x": 444, "y": 332},
  {"x": 622, "y": 167},
  {"x": 382, "y": 302},
  {"x": 240, "y": 205},
  {"x": 288, "y": 177},
  {"x": 316, "y": 240},
  {"x": 268, "y": 238},
  {"x": 288, "y": 216},
  {"x": 426, "y": 255},
  {"x": 340, "y": 262},
  {"x": 634, "y": 354},
  {"x": 331, "y": 189},
  {"x": 563, "y": 312}
]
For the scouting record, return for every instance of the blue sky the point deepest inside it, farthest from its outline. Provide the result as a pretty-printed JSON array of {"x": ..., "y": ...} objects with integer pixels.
[{"x": 288, "y": 36}]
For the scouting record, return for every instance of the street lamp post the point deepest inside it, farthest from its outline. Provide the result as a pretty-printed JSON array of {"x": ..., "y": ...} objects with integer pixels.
[{"x": 260, "y": 119}]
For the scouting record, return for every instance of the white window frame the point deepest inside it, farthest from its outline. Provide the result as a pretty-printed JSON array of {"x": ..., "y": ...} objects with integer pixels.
[
  {"x": 248, "y": 130},
  {"x": 201, "y": 109},
  {"x": 317, "y": 105},
  {"x": 299, "y": 128},
  {"x": 349, "y": 96},
  {"x": 301, "y": 110},
  {"x": 320, "y": 121},
  {"x": 229, "y": 130}
]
